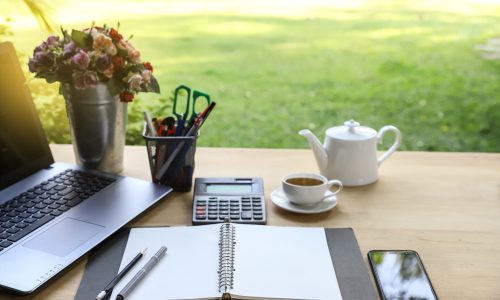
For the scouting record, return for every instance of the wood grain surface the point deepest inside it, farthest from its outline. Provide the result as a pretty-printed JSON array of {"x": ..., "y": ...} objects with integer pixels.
[{"x": 446, "y": 206}]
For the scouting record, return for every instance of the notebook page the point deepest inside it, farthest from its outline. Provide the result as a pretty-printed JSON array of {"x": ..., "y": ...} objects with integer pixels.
[
  {"x": 283, "y": 262},
  {"x": 187, "y": 271}
]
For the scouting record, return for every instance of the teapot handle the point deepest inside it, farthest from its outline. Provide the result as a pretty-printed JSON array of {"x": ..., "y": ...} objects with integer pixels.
[{"x": 394, "y": 146}]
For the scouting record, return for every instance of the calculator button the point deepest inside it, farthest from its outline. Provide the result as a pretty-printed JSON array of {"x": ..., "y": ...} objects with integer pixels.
[
  {"x": 212, "y": 217},
  {"x": 235, "y": 217},
  {"x": 201, "y": 217},
  {"x": 246, "y": 209},
  {"x": 246, "y": 215},
  {"x": 212, "y": 198},
  {"x": 245, "y": 198},
  {"x": 225, "y": 201},
  {"x": 201, "y": 202},
  {"x": 254, "y": 199},
  {"x": 257, "y": 217}
]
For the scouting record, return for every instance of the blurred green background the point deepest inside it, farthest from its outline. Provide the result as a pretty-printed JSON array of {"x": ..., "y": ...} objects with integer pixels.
[{"x": 275, "y": 68}]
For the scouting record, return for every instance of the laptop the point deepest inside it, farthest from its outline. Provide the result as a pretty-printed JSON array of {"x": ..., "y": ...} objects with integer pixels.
[{"x": 51, "y": 213}]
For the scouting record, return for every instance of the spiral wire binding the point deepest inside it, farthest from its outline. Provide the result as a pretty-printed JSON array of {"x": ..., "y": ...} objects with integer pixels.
[{"x": 227, "y": 245}]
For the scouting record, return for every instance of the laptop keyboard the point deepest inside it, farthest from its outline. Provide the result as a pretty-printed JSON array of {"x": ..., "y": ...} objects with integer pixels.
[{"x": 30, "y": 210}]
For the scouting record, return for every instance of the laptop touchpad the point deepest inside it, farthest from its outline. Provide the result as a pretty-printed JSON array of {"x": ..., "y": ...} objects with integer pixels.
[{"x": 64, "y": 237}]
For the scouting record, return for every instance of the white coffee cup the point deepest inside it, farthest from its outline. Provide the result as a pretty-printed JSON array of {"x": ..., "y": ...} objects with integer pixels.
[{"x": 308, "y": 188}]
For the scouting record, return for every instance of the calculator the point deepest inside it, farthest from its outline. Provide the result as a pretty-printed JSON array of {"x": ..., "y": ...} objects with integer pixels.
[{"x": 241, "y": 200}]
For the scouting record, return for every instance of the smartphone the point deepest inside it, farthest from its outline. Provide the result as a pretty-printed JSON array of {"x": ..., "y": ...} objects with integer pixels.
[{"x": 400, "y": 274}]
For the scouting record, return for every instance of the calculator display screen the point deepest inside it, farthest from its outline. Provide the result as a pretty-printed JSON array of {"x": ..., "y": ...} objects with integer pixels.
[{"x": 229, "y": 188}]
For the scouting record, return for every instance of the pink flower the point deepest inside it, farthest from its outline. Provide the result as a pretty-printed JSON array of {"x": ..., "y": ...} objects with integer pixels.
[
  {"x": 108, "y": 72},
  {"x": 52, "y": 40},
  {"x": 135, "y": 81},
  {"x": 94, "y": 32},
  {"x": 104, "y": 43},
  {"x": 81, "y": 60},
  {"x": 134, "y": 56},
  {"x": 86, "y": 79},
  {"x": 146, "y": 76},
  {"x": 69, "y": 49}
]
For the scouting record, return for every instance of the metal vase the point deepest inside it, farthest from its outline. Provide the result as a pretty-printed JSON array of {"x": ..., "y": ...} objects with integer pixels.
[{"x": 97, "y": 120}]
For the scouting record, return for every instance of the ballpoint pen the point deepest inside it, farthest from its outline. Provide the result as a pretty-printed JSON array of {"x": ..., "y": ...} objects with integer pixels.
[
  {"x": 149, "y": 123},
  {"x": 141, "y": 274},
  {"x": 159, "y": 173},
  {"x": 120, "y": 275}
]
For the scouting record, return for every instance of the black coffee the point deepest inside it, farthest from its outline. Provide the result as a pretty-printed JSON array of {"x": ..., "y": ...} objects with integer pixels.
[{"x": 304, "y": 181}]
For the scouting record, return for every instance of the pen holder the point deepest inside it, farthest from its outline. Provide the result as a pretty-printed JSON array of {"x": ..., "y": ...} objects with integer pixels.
[{"x": 174, "y": 155}]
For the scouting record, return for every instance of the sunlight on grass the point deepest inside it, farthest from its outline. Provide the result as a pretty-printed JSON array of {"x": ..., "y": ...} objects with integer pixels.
[
  {"x": 192, "y": 59},
  {"x": 236, "y": 28},
  {"x": 387, "y": 33},
  {"x": 284, "y": 65},
  {"x": 445, "y": 38}
]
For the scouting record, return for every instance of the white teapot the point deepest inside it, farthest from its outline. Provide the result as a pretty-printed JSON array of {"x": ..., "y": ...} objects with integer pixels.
[{"x": 350, "y": 152}]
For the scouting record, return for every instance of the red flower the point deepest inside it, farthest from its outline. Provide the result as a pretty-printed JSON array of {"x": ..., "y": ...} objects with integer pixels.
[
  {"x": 148, "y": 66},
  {"x": 115, "y": 36},
  {"x": 118, "y": 62},
  {"x": 126, "y": 96}
]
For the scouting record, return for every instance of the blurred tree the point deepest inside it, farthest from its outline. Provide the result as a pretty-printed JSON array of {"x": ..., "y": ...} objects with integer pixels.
[{"x": 40, "y": 11}]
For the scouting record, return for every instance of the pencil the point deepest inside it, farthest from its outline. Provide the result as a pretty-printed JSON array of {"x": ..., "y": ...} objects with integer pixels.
[{"x": 120, "y": 275}]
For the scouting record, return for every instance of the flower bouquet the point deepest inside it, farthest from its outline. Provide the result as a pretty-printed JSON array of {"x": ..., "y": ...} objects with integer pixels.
[
  {"x": 100, "y": 72},
  {"x": 92, "y": 56}
]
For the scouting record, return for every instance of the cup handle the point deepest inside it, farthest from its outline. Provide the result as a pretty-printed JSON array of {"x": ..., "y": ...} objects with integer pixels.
[
  {"x": 338, "y": 190},
  {"x": 394, "y": 146}
]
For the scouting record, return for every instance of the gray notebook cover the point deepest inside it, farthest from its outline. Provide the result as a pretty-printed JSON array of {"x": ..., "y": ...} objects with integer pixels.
[{"x": 352, "y": 275}]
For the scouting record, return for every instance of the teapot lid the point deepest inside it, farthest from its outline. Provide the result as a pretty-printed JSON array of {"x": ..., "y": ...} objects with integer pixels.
[{"x": 351, "y": 131}]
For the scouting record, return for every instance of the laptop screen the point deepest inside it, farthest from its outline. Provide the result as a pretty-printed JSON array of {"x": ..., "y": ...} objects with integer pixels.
[{"x": 23, "y": 146}]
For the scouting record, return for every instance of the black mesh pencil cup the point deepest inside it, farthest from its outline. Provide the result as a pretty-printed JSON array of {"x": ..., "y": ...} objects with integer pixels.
[{"x": 171, "y": 159}]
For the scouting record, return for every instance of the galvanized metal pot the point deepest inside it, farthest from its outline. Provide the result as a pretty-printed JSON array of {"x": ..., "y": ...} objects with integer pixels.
[{"x": 97, "y": 120}]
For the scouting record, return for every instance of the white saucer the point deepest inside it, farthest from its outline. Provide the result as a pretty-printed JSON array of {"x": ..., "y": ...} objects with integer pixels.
[{"x": 279, "y": 199}]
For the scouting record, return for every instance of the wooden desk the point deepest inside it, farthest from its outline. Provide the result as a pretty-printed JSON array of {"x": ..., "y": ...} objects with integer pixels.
[{"x": 446, "y": 206}]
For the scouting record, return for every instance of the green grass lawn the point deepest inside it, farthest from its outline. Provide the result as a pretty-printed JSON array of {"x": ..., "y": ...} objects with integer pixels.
[{"x": 271, "y": 76}]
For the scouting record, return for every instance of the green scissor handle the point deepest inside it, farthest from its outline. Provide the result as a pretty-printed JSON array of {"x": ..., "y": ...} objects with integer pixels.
[
  {"x": 185, "y": 114},
  {"x": 199, "y": 95}
]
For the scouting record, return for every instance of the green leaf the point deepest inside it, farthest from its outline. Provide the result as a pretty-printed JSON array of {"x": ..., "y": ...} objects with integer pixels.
[
  {"x": 81, "y": 39},
  {"x": 115, "y": 86},
  {"x": 153, "y": 86},
  {"x": 121, "y": 52},
  {"x": 50, "y": 76}
]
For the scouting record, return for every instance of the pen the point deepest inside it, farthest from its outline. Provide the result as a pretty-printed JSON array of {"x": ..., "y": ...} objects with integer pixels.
[
  {"x": 149, "y": 123},
  {"x": 192, "y": 131},
  {"x": 141, "y": 274},
  {"x": 120, "y": 275}
]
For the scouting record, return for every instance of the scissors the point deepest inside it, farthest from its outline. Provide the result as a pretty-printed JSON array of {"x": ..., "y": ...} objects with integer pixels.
[{"x": 190, "y": 114}]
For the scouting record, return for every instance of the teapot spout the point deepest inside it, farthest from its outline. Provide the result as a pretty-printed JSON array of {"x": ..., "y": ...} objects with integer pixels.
[{"x": 318, "y": 149}]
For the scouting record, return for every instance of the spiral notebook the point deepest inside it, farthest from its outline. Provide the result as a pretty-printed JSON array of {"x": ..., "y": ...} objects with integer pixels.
[{"x": 236, "y": 260}]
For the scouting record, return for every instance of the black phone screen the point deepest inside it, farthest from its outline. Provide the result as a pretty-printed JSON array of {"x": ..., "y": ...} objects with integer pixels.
[{"x": 400, "y": 274}]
